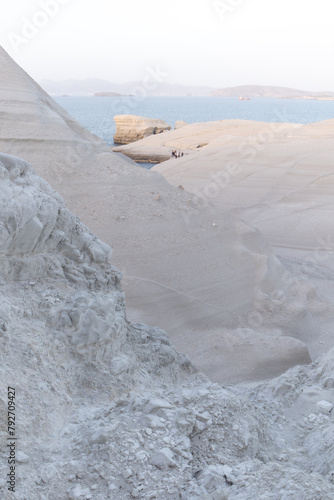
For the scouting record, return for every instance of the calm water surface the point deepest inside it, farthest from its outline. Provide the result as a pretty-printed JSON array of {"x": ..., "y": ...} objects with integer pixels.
[{"x": 97, "y": 113}]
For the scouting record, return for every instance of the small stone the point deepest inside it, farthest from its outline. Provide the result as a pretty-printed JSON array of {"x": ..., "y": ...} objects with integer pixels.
[
  {"x": 78, "y": 492},
  {"x": 325, "y": 406},
  {"x": 21, "y": 457},
  {"x": 163, "y": 458},
  {"x": 204, "y": 417},
  {"x": 141, "y": 455},
  {"x": 156, "y": 404},
  {"x": 99, "y": 437},
  {"x": 127, "y": 473},
  {"x": 221, "y": 494}
]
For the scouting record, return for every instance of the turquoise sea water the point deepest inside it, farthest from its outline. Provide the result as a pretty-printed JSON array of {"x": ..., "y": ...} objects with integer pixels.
[{"x": 96, "y": 113}]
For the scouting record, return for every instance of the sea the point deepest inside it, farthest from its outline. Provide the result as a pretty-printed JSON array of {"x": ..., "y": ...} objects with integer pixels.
[{"x": 97, "y": 113}]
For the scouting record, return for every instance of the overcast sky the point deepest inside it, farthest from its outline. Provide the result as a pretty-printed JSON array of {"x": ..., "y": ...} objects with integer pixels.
[{"x": 218, "y": 43}]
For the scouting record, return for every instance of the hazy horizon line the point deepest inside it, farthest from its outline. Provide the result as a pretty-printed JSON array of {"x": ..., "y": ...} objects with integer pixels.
[{"x": 216, "y": 87}]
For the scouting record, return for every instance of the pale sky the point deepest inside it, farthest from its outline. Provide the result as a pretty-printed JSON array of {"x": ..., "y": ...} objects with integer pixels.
[{"x": 219, "y": 43}]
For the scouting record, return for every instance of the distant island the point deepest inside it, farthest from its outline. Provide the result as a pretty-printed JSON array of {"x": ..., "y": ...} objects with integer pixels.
[
  {"x": 103, "y": 88},
  {"x": 108, "y": 94},
  {"x": 271, "y": 91},
  {"x": 314, "y": 97}
]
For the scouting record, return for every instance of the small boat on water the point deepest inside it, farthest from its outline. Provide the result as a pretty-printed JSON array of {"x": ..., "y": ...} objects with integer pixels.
[{"x": 244, "y": 98}]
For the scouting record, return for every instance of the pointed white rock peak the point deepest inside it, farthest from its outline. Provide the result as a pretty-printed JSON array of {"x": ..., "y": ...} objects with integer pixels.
[{"x": 41, "y": 118}]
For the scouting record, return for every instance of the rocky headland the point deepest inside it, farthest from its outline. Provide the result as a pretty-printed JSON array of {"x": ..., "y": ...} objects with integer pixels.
[{"x": 131, "y": 128}]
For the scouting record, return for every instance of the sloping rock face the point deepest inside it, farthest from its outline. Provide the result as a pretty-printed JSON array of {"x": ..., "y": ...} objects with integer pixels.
[
  {"x": 190, "y": 269},
  {"x": 131, "y": 128},
  {"x": 32, "y": 121},
  {"x": 194, "y": 140},
  {"x": 277, "y": 176},
  {"x": 110, "y": 410}
]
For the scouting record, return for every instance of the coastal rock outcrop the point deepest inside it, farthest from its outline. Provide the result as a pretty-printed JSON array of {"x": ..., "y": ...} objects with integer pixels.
[
  {"x": 180, "y": 124},
  {"x": 131, "y": 128}
]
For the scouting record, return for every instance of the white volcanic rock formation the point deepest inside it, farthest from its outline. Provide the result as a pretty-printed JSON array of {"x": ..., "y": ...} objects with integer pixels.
[
  {"x": 130, "y": 128},
  {"x": 32, "y": 122},
  {"x": 278, "y": 177},
  {"x": 192, "y": 140},
  {"x": 110, "y": 410},
  {"x": 192, "y": 270}
]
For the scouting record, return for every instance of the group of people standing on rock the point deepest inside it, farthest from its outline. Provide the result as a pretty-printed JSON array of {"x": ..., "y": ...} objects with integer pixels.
[{"x": 177, "y": 154}]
